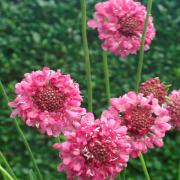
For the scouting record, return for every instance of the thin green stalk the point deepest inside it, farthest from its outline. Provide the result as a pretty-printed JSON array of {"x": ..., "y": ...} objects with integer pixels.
[
  {"x": 179, "y": 170},
  {"x": 32, "y": 176},
  {"x": 4, "y": 177},
  {"x": 124, "y": 174},
  {"x": 139, "y": 71},
  {"x": 106, "y": 74},
  {"x": 86, "y": 54},
  {"x": 7, "y": 165},
  {"x": 5, "y": 173},
  {"x": 22, "y": 134},
  {"x": 58, "y": 139},
  {"x": 144, "y": 167},
  {"x": 141, "y": 53},
  {"x": 119, "y": 177}
]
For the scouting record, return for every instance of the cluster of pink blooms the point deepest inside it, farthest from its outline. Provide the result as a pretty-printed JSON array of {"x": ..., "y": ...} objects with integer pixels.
[
  {"x": 97, "y": 149},
  {"x": 120, "y": 26}
]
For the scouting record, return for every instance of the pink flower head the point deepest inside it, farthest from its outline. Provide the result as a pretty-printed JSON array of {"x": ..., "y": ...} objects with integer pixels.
[
  {"x": 48, "y": 100},
  {"x": 145, "y": 120},
  {"x": 154, "y": 87},
  {"x": 120, "y": 25},
  {"x": 96, "y": 150},
  {"x": 174, "y": 108}
]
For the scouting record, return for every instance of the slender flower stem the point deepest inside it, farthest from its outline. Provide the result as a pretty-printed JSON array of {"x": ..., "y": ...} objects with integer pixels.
[
  {"x": 58, "y": 139},
  {"x": 124, "y": 174},
  {"x": 22, "y": 134},
  {"x": 179, "y": 170},
  {"x": 5, "y": 173},
  {"x": 106, "y": 74},
  {"x": 141, "y": 53},
  {"x": 86, "y": 54},
  {"x": 119, "y": 177},
  {"x": 32, "y": 176},
  {"x": 144, "y": 167},
  {"x": 139, "y": 71},
  {"x": 7, "y": 166}
]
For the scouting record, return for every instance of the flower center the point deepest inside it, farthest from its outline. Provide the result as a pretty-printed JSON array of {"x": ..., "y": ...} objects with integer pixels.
[
  {"x": 48, "y": 98},
  {"x": 154, "y": 87},
  {"x": 100, "y": 152},
  {"x": 97, "y": 151},
  {"x": 156, "y": 93},
  {"x": 138, "y": 120},
  {"x": 128, "y": 26}
]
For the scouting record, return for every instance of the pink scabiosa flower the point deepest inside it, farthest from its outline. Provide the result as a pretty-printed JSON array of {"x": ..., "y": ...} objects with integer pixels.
[
  {"x": 96, "y": 150},
  {"x": 145, "y": 120},
  {"x": 154, "y": 87},
  {"x": 48, "y": 100},
  {"x": 120, "y": 25},
  {"x": 174, "y": 108}
]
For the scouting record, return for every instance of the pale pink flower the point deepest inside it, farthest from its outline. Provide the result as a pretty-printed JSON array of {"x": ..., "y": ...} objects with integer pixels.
[
  {"x": 96, "y": 150},
  {"x": 48, "y": 100},
  {"x": 120, "y": 25},
  {"x": 154, "y": 87},
  {"x": 145, "y": 120},
  {"x": 174, "y": 108}
]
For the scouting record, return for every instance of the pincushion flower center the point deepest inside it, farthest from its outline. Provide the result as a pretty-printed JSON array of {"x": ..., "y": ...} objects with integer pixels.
[
  {"x": 100, "y": 152},
  {"x": 97, "y": 151},
  {"x": 150, "y": 90},
  {"x": 156, "y": 92},
  {"x": 48, "y": 98},
  {"x": 154, "y": 87},
  {"x": 128, "y": 26},
  {"x": 138, "y": 120}
]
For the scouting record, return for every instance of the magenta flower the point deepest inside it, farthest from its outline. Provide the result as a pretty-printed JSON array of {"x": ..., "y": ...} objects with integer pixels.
[
  {"x": 174, "y": 108},
  {"x": 120, "y": 25},
  {"x": 48, "y": 100},
  {"x": 96, "y": 150},
  {"x": 154, "y": 87},
  {"x": 145, "y": 120}
]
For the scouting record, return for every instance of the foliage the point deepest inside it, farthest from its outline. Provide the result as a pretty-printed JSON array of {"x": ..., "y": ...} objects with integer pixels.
[{"x": 37, "y": 33}]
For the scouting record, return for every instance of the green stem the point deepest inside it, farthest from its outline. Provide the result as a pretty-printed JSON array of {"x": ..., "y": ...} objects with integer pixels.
[
  {"x": 58, "y": 139},
  {"x": 144, "y": 167},
  {"x": 86, "y": 54},
  {"x": 5, "y": 173},
  {"x": 22, "y": 134},
  {"x": 179, "y": 170},
  {"x": 106, "y": 74},
  {"x": 119, "y": 177},
  {"x": 124, "y": 174},
  {"x": 7, "y": 165},
  {"x": 32, "y": 176},
  {"x": 139, "y": 71},
  {"x": 141, "y": 53}
]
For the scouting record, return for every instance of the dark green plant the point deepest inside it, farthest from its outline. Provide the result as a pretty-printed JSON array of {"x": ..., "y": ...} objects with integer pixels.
[{"x": 34, "y": 33}]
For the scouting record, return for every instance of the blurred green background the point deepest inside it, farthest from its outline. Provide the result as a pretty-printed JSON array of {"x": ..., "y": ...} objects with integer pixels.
[{"x": 37, "y": 33}]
